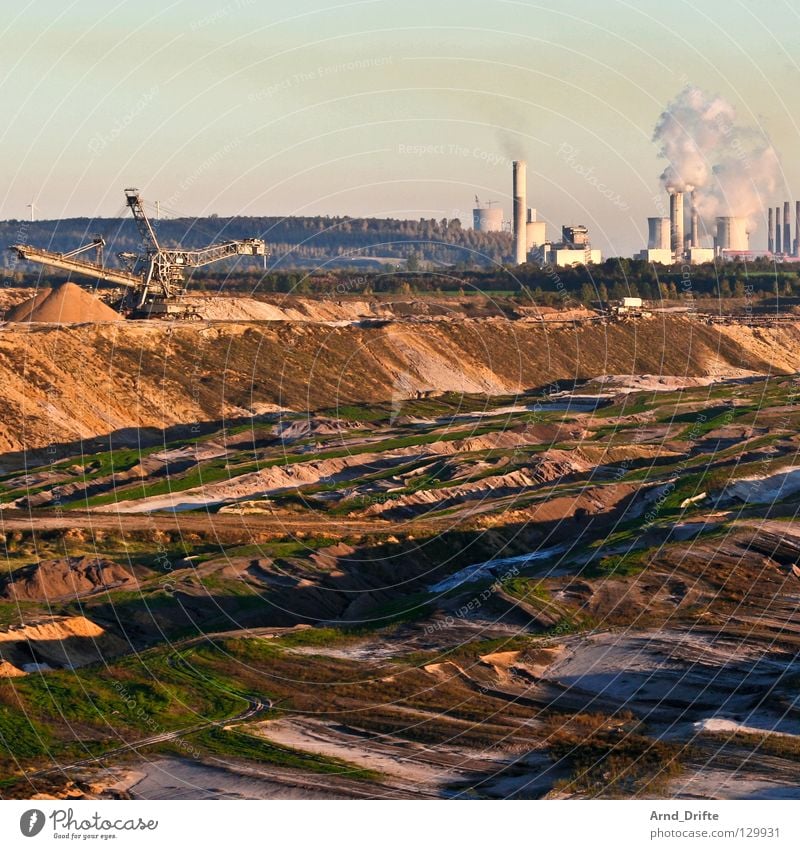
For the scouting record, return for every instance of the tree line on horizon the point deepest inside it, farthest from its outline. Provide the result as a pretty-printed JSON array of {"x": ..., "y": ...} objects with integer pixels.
[
  {"x": 312, "y": 241},
  {"x": 612, "y": 280}
]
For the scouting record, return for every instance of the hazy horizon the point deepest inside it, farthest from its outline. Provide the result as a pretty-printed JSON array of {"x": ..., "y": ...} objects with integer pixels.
[{"x": 373, "y": 109}]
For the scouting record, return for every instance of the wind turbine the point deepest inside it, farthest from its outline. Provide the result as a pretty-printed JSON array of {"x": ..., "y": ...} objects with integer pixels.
[{"x": 32, "y": 206}]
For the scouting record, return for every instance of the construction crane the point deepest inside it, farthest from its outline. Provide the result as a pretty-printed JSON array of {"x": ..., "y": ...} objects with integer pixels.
[{"x": 155, "y": 279}]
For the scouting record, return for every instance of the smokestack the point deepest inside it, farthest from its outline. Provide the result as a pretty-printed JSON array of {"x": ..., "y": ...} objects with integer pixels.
[
  {"x": 520, "y": 210},
  {"x": 770, "y": 233},
  {"x": 695, "y": 237},
  {"x": 797, "y": 228},
  {"x": 676, "y": 222},
  {"x": 787, "y": 228},
  {"x": 778, "y": 233}
]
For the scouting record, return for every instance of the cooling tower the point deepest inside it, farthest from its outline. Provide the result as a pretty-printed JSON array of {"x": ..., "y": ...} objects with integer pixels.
[
  {"x": 520, "y": 210},
  {"x": 658, "y": 238},
  {"x": 732, "y": 234},
  {"x": 487, "y": 219}
]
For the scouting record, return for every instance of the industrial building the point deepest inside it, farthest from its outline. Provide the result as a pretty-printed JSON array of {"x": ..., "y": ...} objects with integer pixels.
[
  {"x": 779, "y": 233},
  {"x": 535, "y": 232},
  {"x": 697, "y": 256},
  {"x": 732, "y": 236},
  {"x": 557, "y": 254},
  {"x": 574, "y": 248},
  {"x": 487, "y": 218},
  {"x": 659, "y": 241},
  {"x": 662, "y": 256},
  {"x": 575, "y": 236},
  {"x": 667, "y": 242},
  {"x": 530, "y": 234},
  {"x": 658, "y": 234}
]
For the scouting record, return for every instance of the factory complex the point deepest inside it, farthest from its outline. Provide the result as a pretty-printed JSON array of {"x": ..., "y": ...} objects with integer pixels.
[{"x": 669, "y": 239}]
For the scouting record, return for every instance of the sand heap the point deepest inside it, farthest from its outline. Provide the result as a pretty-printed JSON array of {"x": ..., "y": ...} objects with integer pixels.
[
  {"x": 64, "y": 578},
  {"x": 55, "y": 642},
  {"x": 66, "y": 304}
]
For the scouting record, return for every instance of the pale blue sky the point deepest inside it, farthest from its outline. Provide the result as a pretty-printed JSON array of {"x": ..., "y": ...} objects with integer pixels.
[{"x": 376, "y": 108}]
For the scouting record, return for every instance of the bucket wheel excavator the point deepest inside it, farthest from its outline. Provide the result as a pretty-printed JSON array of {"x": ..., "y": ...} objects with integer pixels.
[{"x": 154, "y": 281}]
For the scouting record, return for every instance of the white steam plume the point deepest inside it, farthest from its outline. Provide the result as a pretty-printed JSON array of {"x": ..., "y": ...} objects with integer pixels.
[{"x": 733, "y": 168}]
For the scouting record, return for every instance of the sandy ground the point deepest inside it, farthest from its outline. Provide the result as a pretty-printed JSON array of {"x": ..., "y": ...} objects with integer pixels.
[
  {"x": 435, "y": 771},
  {"x": 755, "y": 724},
  {"x": 181, "y": 778},
  {"x": 670, "y": 676},
  {"x": 720, "y": 784},
  {"x": 651, "y": 382},
  {"x": 766, "y": 489},
  {"x": 400, "y": 760}
]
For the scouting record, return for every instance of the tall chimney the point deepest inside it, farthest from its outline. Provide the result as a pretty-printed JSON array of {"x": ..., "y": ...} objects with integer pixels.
[
  {"x": 778, "y": 233},
  {"x": 676, "y": 222},
  {"x": 520, "y": 210},
  {"x": 695, "y": 237},
  {"x": 770, "y": 233},
  {"x": 797, "y": 228},
  {"x": 787, "y": 228}
]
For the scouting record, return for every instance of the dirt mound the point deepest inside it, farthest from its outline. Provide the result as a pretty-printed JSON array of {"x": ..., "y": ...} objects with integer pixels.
[
  {"x": 57, "y": 642},
  {"x": 67, "y": 577},
  {"x": 552, "y": 466},
  {"x": 66, "y": 304},
  {"x": 650, "y": 382},
  {"x": 8, "y": 670},
  {"x": 286, "y": 309}
]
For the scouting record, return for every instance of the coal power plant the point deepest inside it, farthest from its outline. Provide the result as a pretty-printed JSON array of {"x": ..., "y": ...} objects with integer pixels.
[
  {"x": 688, "y": 235},
  {"x": 780, "y": 242},
  {"x": 667, "y": 242},
  {"x": 530, "y": 236}
]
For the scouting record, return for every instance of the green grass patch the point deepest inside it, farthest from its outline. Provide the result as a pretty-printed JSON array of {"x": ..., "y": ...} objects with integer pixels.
[{"x": 618, "y": 565}]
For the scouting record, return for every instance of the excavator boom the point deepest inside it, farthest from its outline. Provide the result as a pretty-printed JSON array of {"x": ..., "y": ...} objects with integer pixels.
[
  {"x": 77, "y": 266},
  {"x": 157, "y": 276}
]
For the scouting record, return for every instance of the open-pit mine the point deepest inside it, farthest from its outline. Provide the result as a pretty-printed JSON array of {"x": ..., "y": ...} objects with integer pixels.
[{"x": 360, "y": 547}]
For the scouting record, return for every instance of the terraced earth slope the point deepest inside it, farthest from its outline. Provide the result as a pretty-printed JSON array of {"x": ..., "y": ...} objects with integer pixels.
[
  {"x": 63, "y": 383},
  {"x": 583, "y": 591}
]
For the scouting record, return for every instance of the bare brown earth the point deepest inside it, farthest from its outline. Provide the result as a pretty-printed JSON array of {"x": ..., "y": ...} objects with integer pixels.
[
  {"x": 78, "y": 381},
  {"x": 55, "y": 642},
  {"x": 69, "y": 577},
  {"x": 503, "y": 592},
  {"x": 67, "y": 303}
]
